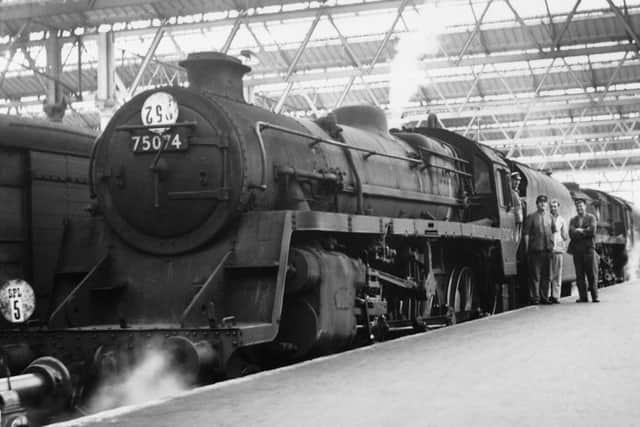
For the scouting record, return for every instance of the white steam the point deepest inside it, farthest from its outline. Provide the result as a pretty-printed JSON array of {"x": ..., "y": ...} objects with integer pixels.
[
  {"x": 406, "y": 72},
  {"x": 151, "y": 379},
  {"x": 632, "y": 269}
]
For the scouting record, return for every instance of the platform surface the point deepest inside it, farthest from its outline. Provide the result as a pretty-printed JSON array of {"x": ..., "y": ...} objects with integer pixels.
[{"x": 562, "y": 365}]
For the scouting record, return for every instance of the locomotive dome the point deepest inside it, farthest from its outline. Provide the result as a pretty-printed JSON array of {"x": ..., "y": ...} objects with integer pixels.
[{"x": 169, "y": 169}]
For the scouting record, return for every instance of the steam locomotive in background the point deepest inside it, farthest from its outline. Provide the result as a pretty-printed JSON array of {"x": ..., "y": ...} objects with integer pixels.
[
  {"x": 43, "y": 189},
  {"x": 236, "y": 239}
]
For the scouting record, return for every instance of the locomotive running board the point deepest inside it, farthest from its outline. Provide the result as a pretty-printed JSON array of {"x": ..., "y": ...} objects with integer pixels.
[{"x": 345, "y": 223}]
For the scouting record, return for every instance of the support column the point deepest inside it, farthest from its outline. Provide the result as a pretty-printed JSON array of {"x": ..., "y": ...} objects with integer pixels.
[
  {"x": 106, "y": 94},
  {"x": 55, "y": 104}
]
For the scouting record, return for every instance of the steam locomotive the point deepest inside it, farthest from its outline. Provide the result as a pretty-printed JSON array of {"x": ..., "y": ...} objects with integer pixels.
[{"x": 236, "y": 239}]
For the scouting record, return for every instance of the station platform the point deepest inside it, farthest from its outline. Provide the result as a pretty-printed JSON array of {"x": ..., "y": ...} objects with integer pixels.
[{"x": 561, "y": 365}]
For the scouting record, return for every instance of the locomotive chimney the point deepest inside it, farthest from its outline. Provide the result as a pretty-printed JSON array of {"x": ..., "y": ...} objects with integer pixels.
[{"x": 216, "y": 72}]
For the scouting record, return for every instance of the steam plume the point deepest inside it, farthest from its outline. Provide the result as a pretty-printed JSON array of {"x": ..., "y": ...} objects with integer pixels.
[
  {"x": 406, "y": 73},
  {"x": 151, "y": 379}
]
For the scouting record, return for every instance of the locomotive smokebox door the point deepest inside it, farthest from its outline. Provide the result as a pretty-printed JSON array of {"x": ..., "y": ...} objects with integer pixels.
[{"x": 171, "y": 172}]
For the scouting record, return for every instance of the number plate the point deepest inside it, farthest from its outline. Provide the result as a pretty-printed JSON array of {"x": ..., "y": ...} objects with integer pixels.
[{"x": 151, "y": 143}]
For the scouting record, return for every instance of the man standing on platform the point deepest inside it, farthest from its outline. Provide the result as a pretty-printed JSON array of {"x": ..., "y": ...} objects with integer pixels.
[
  {"x": 582, "y": 230},
  {"x": 538, "y": 244},
  {"x": 560, "y": 236}
]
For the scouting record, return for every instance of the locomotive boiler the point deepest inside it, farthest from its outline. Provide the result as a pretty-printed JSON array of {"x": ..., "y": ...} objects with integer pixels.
[{"x": 235, "y": 239}]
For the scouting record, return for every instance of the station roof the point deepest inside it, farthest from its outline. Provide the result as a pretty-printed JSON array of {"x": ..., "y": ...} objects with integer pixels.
[
  {"x": 550, "y": 82},
  {"x": 73, "y": 14}
]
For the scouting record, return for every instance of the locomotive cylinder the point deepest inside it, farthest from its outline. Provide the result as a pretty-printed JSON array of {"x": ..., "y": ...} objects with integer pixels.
[
  {"x": 305, "y": 271},
  {"x": 197, "y": 360}
]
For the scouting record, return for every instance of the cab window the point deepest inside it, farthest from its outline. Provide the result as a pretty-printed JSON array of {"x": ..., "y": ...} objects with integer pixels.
[{"x": 503, "y": 188}]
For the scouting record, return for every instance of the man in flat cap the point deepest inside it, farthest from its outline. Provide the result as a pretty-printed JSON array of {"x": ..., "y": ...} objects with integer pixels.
[
  {"x": 538, "y": 244},
  {"x": 582, "y": 230},
  {"x": 517, "y": 204}
]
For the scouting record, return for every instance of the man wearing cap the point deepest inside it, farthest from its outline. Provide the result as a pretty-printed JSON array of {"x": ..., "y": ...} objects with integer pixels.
[
  {"x": 582, "y": 230},
  {"x": 538, "y": 244},
  {"x": 517, "y": 204}
]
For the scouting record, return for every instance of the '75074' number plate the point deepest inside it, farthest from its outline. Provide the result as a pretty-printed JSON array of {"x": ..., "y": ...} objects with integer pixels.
[{"x": 150, "y": 143}]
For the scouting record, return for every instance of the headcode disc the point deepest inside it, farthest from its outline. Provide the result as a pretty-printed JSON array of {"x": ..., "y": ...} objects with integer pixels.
[{"x": 17, "y": 301}]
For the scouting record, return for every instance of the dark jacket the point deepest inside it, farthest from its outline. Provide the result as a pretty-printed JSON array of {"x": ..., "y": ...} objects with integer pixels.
[
  {"x": 585, "y": 241},
  {"x": 538, "y": 228}
]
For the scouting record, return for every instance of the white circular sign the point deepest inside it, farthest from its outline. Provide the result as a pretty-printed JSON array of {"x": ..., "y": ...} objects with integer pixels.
[
  {"x": 161, "y": 108},
  {"x": 17, "y": 301}
]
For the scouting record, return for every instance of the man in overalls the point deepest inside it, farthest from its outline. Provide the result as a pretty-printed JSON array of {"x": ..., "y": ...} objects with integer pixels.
[{"x": 582, "y": 230}]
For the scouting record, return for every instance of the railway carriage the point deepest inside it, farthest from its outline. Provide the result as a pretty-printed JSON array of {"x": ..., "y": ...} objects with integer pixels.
[{"x": 43, "y": 188}]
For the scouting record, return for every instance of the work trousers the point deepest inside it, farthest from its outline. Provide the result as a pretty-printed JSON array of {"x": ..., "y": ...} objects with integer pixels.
[
  {"x": 556, "y": 274},
  {"x": 539, "y": 263},
  {"x": 586, "y": 264}
]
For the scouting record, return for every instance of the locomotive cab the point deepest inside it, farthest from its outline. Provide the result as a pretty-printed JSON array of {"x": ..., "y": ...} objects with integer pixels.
[{"x": 490, "y": 197}]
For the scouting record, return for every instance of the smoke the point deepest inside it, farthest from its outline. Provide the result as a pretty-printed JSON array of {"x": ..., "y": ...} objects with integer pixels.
[
  {"x": 632, "y": 269},
  {"x": 153, "y": 378},
  {"x": 406, "y": 73}
]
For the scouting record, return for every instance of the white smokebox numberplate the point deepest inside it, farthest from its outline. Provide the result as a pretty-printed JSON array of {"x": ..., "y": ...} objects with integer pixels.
[
  {"x": 17, "y": 301},
  {"x": 161, "y": 108}
]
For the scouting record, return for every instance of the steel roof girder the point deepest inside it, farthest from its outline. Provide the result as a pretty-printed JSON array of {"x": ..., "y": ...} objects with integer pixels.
[
  {"x": 376, "y": 56},
  {"x": 534, "y": 99},
  {"x": 157, "y": 38},
  {"x": 624, "y": 22},
  {"x": 233, "y": 31},
  {"x": 357, "y": 65},
  {"x": 566, "y": 141},
  {"x": 476, "y": 29},
  {"x": 580, "y": 157},
  {"x": 296, "y": 58}
]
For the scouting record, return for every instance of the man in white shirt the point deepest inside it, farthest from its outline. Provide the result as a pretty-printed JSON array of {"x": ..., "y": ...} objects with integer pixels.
[{"x": 560, "y": 237}]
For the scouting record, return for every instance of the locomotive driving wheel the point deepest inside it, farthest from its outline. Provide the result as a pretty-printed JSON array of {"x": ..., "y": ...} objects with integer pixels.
[{"x": 460, "y": 291}]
